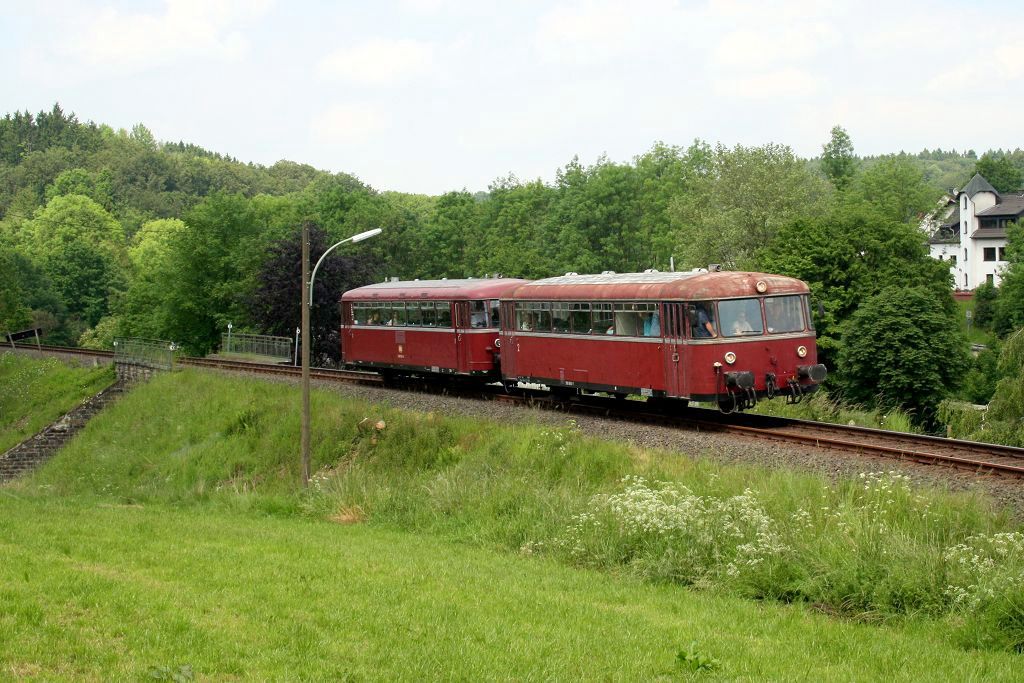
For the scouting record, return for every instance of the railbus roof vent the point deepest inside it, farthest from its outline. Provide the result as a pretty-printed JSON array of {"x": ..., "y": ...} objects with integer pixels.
[{"x": 607, "y": 272}]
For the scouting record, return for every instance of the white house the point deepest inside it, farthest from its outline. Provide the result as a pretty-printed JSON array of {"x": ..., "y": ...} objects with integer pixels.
[{"x": 973, "y": 235}]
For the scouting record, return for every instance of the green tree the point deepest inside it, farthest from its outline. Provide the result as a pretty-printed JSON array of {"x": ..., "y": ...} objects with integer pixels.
[
  {"x": 981, "y": 378},
  {"x": 986, "y": 301},
  {"x": 81, "y": 249},
  {"x": 1009, "y": 310},
  {"x": 95, "y": 186},
  {"x": 448, "y": 226},
  {"x": 215, "y": 258},
  {"x": 1006, "y": 409},
  {"x": 737, "y": 201},
  {"x": 837, "y": 159},
  {"x": 902, "y": 348},
  {"x": 514, "y": 230},
  {"x": 999, "y": 169},
  {"x": 895, "y": 185},
  {"x": 15, "y": 313},
  {"x": 849, "y": 255},
  {"x": 146, "y": 309}
]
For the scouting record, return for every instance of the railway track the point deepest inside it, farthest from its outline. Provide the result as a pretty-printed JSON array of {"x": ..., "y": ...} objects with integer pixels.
[{"x": 971, "y": 456}]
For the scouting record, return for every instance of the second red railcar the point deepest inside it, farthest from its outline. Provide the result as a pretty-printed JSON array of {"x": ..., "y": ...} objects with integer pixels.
[
  {"x": 443, "y": 326},
  {"x": 728, "y": 337}
]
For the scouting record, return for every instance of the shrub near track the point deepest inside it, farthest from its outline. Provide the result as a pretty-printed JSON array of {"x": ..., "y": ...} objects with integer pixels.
[{"x": 870, "y": 548}]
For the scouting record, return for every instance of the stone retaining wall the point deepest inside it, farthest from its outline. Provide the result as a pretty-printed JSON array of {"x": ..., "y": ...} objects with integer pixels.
[{"x": 37, "y": 449}]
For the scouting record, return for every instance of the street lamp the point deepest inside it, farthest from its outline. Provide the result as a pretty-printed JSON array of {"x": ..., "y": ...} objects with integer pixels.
[
  {"x": 307, "y": 302},
  {"x": 354, "y": 238}
]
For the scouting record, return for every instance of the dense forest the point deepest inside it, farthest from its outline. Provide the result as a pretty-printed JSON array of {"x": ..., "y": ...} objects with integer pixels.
[{"x": 108, "y": 233}]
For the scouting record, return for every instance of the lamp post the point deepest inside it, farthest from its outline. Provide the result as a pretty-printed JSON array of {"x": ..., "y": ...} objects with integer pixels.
[{"x": 307, "y": 302}]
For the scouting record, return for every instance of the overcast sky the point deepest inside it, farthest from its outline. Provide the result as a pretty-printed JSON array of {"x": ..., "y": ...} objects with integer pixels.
[{"x": 437, "y": 95}]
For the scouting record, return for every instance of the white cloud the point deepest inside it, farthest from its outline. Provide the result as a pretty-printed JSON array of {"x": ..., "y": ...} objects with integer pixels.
[
  {"x": 596, "y": 31},
  {"x": 184, "y": 28},
  {"x": 998, "y": 64},
  {"x": 347, "y": 124},
  {"x": 378, "y": 62},
  {"x": 789, "y": 82},
  {"x": 758, "y": 48}
]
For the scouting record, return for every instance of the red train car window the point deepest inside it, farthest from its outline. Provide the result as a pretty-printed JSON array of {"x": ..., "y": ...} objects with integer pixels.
[{"x": 784, "y": 314}]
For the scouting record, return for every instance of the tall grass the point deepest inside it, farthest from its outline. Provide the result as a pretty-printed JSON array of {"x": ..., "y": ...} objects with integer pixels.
[
  {"x": 820, "y": 407},
  {"x": 872, "y": 547}
]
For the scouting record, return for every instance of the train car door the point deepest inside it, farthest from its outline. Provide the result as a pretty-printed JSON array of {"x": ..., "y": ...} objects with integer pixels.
[
  {"x": 462, "y": 341},
  {"x": 507, "y": 337},
  {"x": 674, "y": 330}
]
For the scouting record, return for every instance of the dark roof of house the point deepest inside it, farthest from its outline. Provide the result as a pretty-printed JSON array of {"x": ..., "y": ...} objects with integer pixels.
[
  {"x": 953, "y": 219},
  {"x": 1009, "y": 205},
  {"x": 989, "y": 234},
  {"x": 979, "y": 184}
]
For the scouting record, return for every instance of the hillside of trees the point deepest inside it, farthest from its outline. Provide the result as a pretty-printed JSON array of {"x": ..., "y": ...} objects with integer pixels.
[{"x": 108, "y": 233}]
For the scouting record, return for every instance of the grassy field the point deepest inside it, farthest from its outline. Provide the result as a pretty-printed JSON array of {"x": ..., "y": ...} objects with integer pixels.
[
  {"x": 99, "y": 591},
  {"x": 36, "y": 392},
  {"x": 190, "y": 483}
]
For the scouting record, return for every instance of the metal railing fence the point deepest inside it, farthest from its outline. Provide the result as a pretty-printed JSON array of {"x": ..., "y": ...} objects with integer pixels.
[
  {"x": 257, "y": 344},
  {"x": 150, "y": 353}
]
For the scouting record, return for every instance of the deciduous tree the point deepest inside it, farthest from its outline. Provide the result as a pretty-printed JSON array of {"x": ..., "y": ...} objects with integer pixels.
[
  {"x": 739, "y": 201},
  {"x": 1000, "y": 170},
  {"x": 837, "y": 159},
  {"x": 902, "y": 348}
]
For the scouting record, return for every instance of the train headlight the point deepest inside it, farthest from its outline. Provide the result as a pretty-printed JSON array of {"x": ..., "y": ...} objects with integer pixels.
[
  {"x": 730, "y": 357},
  {"x": 801, "y": 351},
  {"x": 761, "y": 286}
]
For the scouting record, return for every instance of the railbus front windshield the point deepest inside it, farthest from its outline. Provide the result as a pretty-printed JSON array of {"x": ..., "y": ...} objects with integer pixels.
[
  {"x": 784, "y": 314},
  {"x": 740, "y": 317}
]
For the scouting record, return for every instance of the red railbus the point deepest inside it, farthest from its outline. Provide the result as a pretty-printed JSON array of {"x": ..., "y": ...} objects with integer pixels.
[
  {"x": 448, "y": 327},
  {"x": 728, "y": 337},
  {"x": 725, "y": 337}
]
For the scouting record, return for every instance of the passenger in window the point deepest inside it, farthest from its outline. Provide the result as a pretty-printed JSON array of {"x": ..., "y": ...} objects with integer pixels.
[
  {"x": 374, "y": 319},
  {"x": 478, "y": 319},
  {"x": 700, "y": 323},
  {"x": 652, "y": 325},
  {"x": 394, "y": 320},
  {"x": 529, "y": 323},
  {"x": 742, "y": 325}
]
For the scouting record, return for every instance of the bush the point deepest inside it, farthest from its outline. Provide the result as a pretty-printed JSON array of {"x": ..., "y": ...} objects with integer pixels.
[{"x": 902, "y": 348}]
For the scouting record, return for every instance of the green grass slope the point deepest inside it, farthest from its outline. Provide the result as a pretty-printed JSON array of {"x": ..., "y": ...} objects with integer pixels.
[
  {"x": 872, "y": 549},
  {"x": 113, "y": 592},
  {"x": 35, "y": 392}
]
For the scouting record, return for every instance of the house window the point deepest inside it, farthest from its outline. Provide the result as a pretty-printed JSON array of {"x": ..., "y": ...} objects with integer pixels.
[
  {"x": 965, "y": 253},
  {"x": 990, "y": 278},
  {"x": 1002, "y": 253},
  {"x": 990, "y": 253},
  {"x": 952, "y": 260}
]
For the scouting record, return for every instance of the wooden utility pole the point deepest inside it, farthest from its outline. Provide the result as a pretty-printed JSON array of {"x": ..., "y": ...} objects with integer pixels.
[{"x": 305, "y": 354}]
